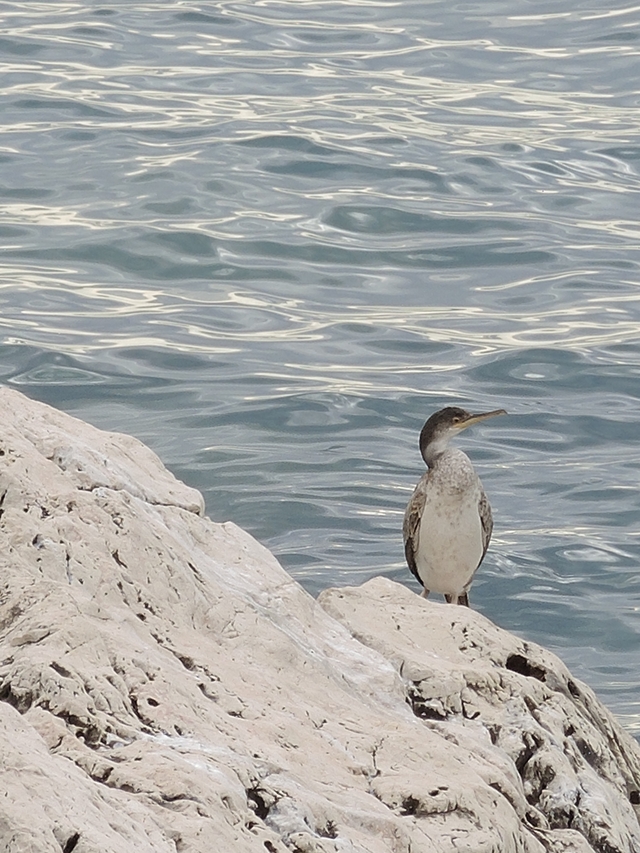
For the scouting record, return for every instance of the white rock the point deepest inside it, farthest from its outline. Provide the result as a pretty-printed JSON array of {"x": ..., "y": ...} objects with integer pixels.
[{"x": 167, "y": 686}]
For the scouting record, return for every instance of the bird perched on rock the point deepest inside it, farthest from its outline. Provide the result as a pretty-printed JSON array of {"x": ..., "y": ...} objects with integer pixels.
[{"x": 447, "y": 523}]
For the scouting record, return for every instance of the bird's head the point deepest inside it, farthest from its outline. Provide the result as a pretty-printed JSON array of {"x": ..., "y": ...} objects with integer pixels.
[{"x": 442, "y": 426}]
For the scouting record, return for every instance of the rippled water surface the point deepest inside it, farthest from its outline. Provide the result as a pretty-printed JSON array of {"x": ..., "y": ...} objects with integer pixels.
[{"x": 270, "y": 238}]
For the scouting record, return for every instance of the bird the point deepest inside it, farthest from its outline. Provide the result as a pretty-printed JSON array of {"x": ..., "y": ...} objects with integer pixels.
[{"x": 448, "y": 523}]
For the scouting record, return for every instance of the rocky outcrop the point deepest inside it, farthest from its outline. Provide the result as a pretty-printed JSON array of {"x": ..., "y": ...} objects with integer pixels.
[{"x": 166, "y": 686}]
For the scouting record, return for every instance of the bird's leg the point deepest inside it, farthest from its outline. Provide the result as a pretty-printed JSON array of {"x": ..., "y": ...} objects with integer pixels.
[
  {"x": 463, "y": 598},
  {"x": 424, "y": 593}
]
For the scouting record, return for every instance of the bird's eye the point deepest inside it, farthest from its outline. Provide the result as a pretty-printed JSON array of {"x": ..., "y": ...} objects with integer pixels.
[{"x": 456, "y": 419}]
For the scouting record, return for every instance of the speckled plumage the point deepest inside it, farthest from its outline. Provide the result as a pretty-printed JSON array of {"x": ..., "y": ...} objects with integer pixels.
[{"x": 448, "y": 523}]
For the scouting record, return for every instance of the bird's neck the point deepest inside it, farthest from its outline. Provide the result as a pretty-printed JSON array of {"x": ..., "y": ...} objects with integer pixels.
[
  {"x": 434, "y": 450},
  {"x": 453, "y": 474}
]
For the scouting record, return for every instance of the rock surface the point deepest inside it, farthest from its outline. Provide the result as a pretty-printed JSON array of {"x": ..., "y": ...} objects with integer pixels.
[{"x": 166, "y": 686}]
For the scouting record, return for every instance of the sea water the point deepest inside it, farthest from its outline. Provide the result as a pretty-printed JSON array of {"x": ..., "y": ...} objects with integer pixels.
[{"x": 270, "y": 238}]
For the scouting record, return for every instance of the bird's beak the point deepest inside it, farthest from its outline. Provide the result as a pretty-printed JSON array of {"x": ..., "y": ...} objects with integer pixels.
[{"x": 481, "y": 416}]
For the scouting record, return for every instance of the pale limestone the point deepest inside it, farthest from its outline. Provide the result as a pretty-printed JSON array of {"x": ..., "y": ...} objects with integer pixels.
[{"x": 167, "y": 686}]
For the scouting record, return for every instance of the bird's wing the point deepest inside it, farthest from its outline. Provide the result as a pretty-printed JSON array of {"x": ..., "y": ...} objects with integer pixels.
[
  {"x": 486, "y": 522},
  {"x": 411, "y": 523}
]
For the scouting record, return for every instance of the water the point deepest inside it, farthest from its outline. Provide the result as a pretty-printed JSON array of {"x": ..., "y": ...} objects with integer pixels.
[{"x": 271, "y": 238}]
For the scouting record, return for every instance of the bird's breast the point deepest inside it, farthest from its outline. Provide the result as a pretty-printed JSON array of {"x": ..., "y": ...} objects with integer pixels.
[{"x": 450, "y": 541}]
